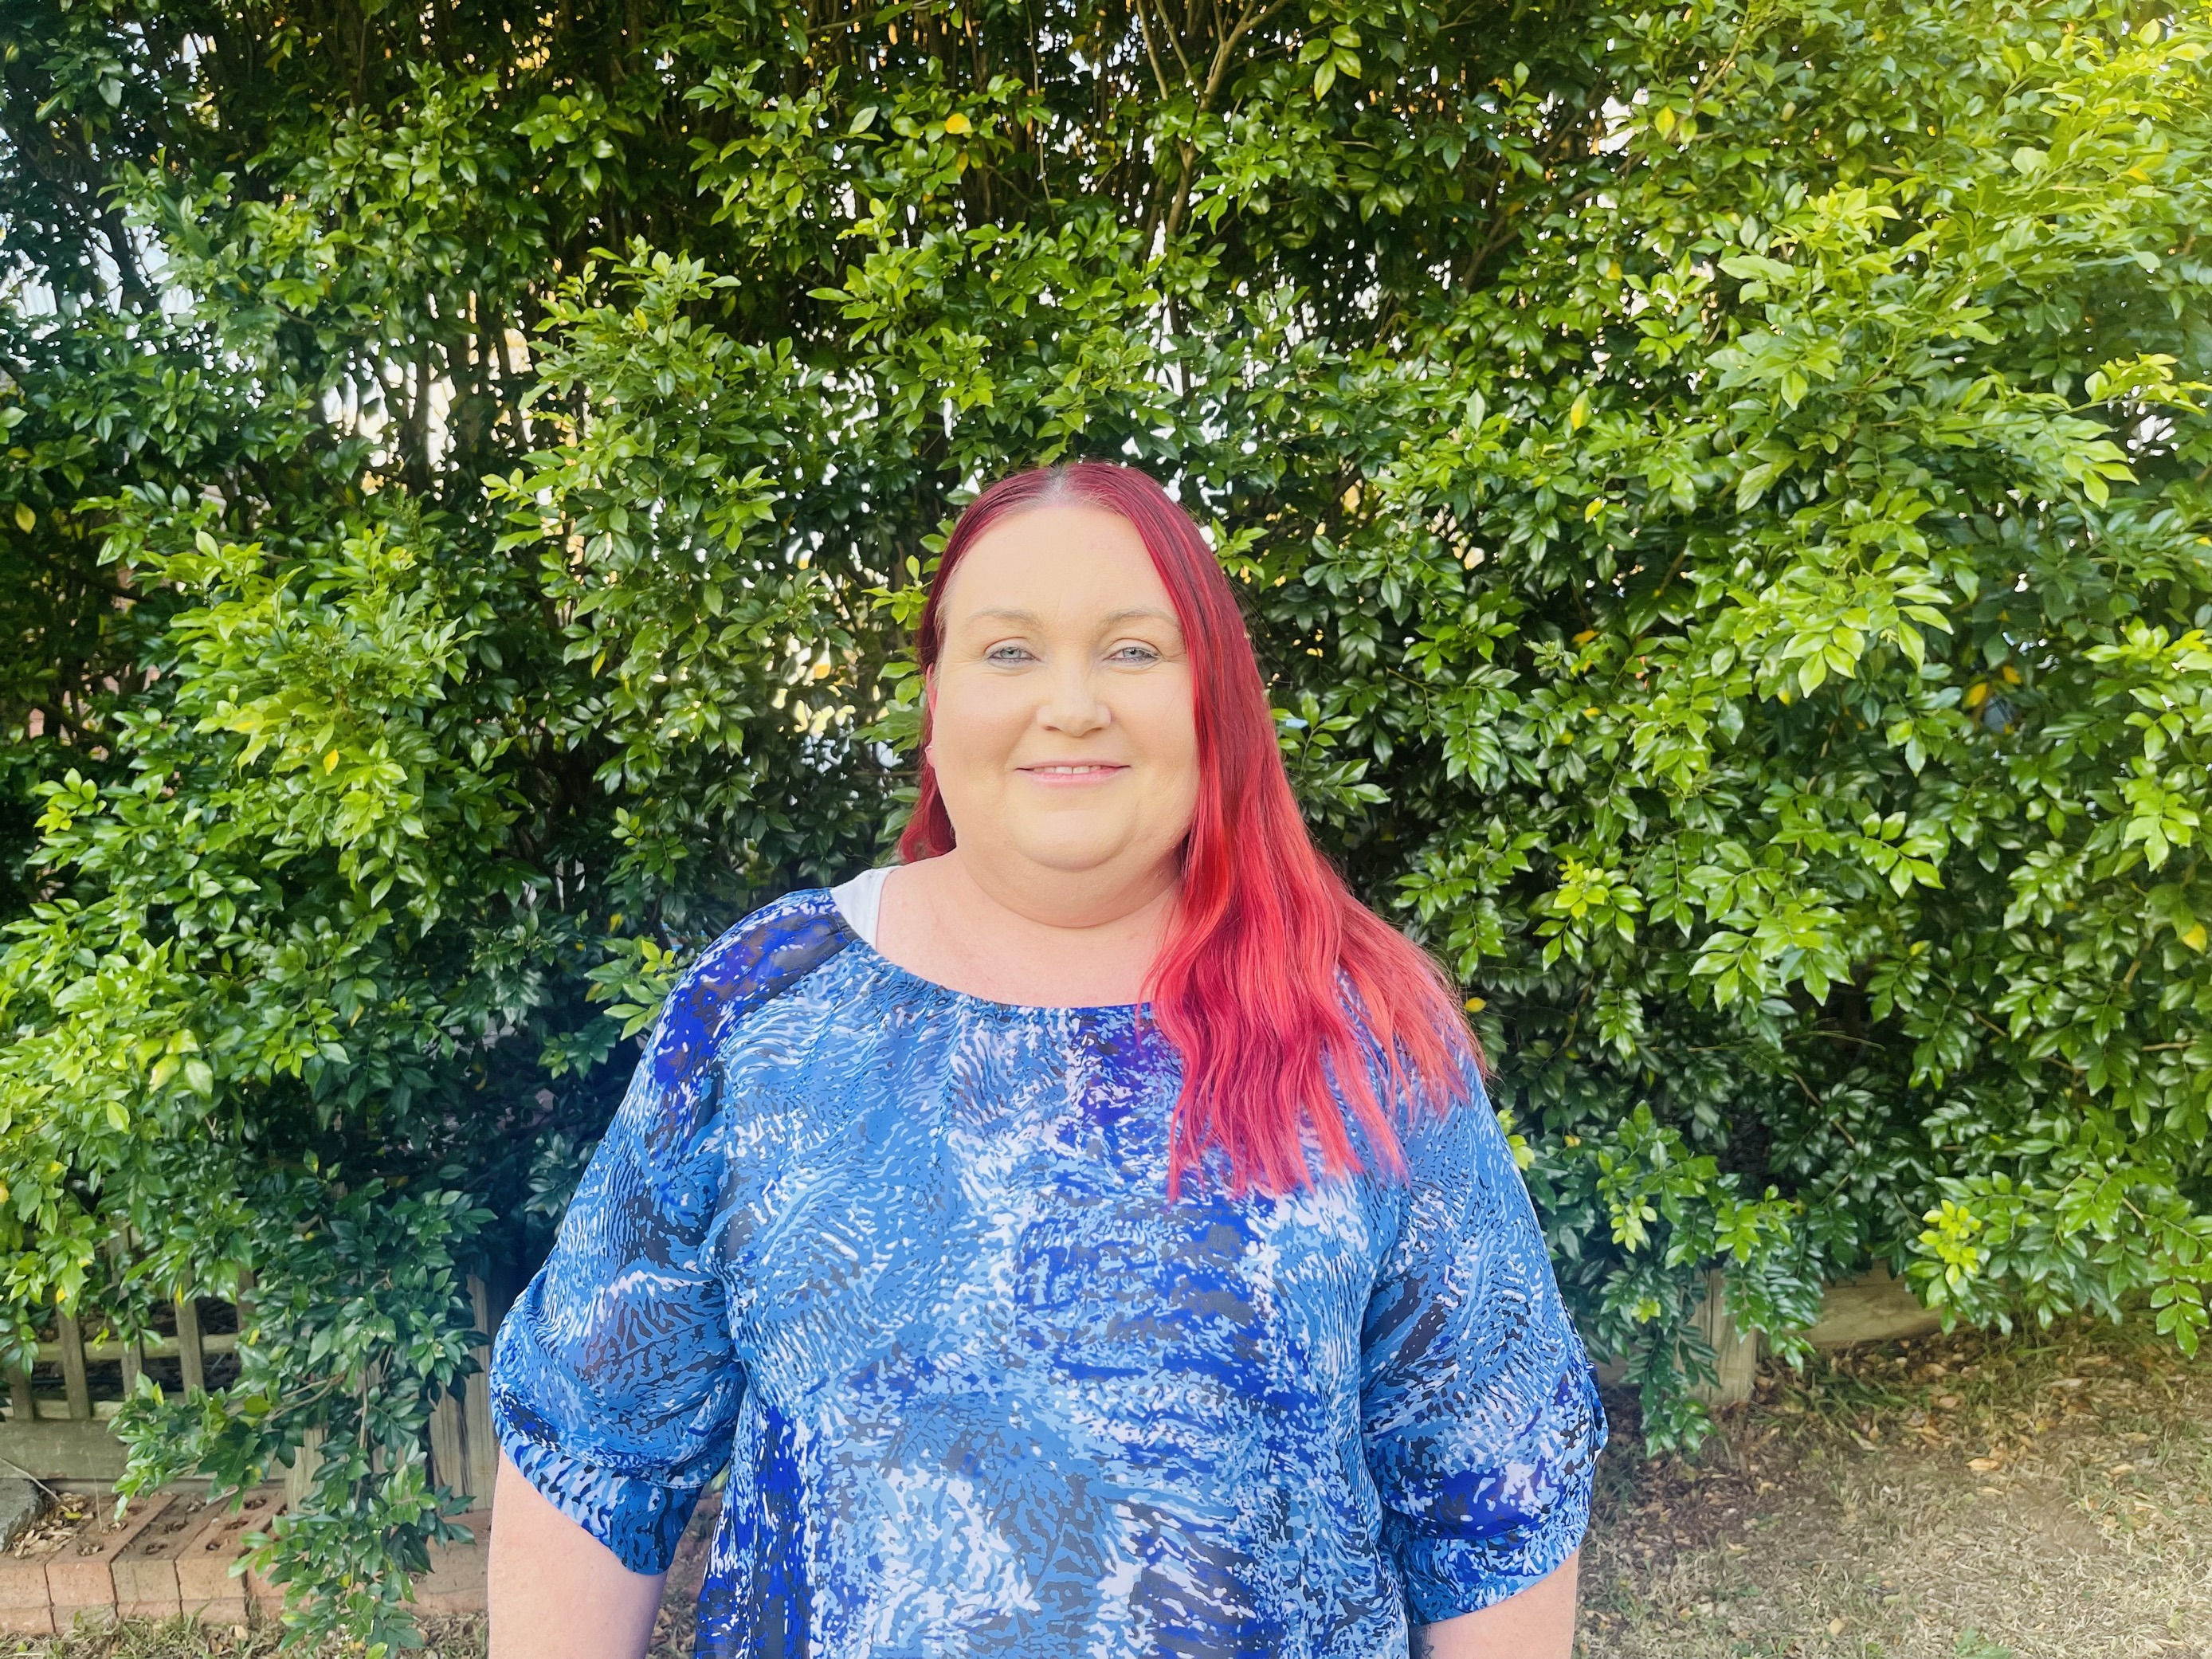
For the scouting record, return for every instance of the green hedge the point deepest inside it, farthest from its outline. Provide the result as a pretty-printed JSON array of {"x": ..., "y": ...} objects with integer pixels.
[{"x": 1722, "y": 495}]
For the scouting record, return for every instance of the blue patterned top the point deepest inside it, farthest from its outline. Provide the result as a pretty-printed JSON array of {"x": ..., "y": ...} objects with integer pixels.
[{"x": 902, "y": 1260}]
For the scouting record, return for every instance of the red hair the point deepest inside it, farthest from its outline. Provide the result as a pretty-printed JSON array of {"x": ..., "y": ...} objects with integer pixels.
[{"x": 1288, "y": 1000}]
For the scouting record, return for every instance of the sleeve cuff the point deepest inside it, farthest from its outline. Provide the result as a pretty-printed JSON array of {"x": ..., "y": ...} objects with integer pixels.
[
  {"x": 1495, "y": 1533},
  {"x": 640, "y": 1521},
  {"x": 1445, "y": 1578}
]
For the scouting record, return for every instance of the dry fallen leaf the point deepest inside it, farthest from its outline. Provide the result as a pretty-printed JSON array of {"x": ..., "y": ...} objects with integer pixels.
[
  {"x": 67, "y": 1516},
  {"x": 1981, "y": 1464},
  {"x": 1835, "y": 1627}
]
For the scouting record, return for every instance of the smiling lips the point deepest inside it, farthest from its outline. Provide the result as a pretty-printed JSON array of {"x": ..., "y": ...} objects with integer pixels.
[{"x": 1067, "y": 772}]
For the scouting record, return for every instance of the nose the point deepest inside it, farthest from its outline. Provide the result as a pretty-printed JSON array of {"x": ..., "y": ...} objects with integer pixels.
[{"x": 1072, "y": 705}]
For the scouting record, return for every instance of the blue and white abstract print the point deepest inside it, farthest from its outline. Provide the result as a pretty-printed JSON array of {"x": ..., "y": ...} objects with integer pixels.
[{"x": 902, "y": 1261}]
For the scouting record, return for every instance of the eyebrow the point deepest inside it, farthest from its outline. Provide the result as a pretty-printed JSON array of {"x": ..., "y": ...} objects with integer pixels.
[
  {"x": 1002, "y": 613},
  {"x": 1127, "y": 613},
  {"x": 1132, "y": 613}
]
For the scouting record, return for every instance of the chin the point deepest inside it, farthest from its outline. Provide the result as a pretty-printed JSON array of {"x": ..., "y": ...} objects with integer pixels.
[
  {"x": 1068, "y": 861},
  {"x": 1069, "y": 856}
]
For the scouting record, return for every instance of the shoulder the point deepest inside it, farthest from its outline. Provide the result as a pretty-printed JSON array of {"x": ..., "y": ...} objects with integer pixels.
[
  {"x": 1451, "y": 1140},
  {"x": 1441, "y": 1120},
  {"x": 755, "y": 961},
  {"x": 1458, "y": 1177}
]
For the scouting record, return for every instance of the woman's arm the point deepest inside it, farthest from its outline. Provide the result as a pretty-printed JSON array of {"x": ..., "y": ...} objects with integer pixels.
[
  {"x": 1539, "y": 1622},
  {"x": 558, "y": 1593}
]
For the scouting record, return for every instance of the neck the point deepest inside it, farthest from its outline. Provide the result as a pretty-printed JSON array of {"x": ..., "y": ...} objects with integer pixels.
[
  {"x": 1058, "y": 901},
  {"x": 1028, "y": 935}
]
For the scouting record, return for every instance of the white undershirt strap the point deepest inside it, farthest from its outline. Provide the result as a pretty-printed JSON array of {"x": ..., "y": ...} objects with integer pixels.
[{"x": 861, "y": 901}]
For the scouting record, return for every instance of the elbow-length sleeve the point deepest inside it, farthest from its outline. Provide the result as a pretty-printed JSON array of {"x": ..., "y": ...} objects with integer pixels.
[
  {"x": 1480, "y": 1410},
  {"x": 615, "y": 1387}
]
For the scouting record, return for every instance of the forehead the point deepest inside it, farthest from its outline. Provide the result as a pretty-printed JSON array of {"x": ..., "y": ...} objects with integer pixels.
[{"x": 1056, "y": 558}]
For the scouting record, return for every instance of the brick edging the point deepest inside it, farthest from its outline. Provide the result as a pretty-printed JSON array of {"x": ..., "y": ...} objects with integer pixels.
[{"x": 172, "y": 1554}]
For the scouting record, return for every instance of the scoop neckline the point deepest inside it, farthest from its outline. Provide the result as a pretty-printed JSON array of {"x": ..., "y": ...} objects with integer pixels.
[{"x": 936, "y": 987}]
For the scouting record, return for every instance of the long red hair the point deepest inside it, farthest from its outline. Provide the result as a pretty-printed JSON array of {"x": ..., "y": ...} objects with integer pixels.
[{"x": 1288, "y": 1000}]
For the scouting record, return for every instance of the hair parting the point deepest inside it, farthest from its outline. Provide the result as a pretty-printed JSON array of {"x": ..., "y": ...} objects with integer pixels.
[{"x": 1269, "y": 953}]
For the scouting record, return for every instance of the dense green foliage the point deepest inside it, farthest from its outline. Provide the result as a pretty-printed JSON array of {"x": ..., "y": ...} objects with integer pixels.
[{"x": 1722, "y": 496}]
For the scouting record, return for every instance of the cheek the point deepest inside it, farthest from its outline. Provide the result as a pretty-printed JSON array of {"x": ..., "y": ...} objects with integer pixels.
[
  {"x": 1166, "y": 733},
  {"x": 970, "y": 729}
]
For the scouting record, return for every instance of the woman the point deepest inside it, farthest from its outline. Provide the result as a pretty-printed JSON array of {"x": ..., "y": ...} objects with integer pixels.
[{"x": 1089, "y": 1238}]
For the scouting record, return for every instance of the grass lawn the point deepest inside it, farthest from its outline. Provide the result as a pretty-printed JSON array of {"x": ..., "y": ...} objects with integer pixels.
[
  {"x": 2044, "y": 1497},
  {"x": 2048, "y": 1496}
]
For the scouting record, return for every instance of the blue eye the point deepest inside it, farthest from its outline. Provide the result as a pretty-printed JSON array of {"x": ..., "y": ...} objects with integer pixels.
[
  {"x": 1006, "y": 655},
  {"x": 1135, "y": 653}
]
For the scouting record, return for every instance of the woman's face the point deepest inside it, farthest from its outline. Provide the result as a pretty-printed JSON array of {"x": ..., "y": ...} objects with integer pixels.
[{"x": 1061, "y": 727}]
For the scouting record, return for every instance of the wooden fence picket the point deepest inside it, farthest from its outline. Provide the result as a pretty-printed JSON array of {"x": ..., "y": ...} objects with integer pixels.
[
  {"x": 67, "y": 1439},
  {"x": 71, "y": 1342},
  {"x": 191, "y": 1357}
]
